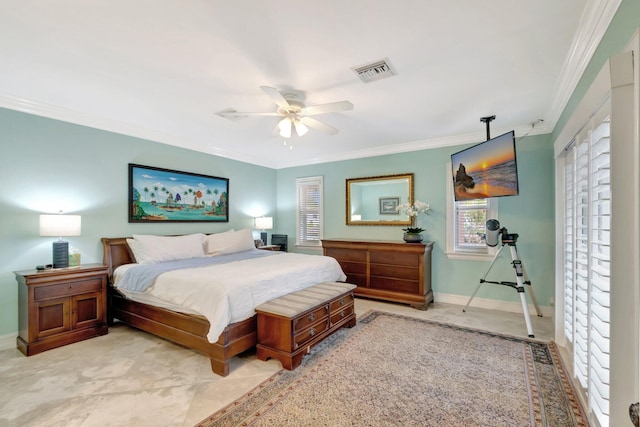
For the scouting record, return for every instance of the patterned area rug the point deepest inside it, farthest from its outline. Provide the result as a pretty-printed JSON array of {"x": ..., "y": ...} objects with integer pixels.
[{"x": 394, "y": 370}]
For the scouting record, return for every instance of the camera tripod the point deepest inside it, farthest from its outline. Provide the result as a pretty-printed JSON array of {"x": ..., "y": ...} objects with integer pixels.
[{"x": 521, "y": 279}]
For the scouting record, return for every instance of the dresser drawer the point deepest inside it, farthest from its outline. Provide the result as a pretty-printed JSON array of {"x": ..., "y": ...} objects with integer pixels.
[
  {"x": 303, "y": 322},
  {"x": 310, "y": 333},
  {"x": 409, "y": 273},
  {"x": 66, "y": 289},
  {"x": 346, "y": 254},
  {"x": 394, "y": 258},
  {"x": 391, "y": 284},
  {"x": 357, "y": 279},
  {"x": 353, "y": 267}
]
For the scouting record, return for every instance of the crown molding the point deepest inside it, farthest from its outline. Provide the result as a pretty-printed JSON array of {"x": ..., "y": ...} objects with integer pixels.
[
  {"x": 595, "y": 21},
  {"x": 426, "y": 144},
  {"x": 55, "y": 112}
]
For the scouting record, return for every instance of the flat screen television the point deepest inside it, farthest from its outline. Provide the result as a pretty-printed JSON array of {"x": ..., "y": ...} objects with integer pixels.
[{"x": 488, "y": 169}]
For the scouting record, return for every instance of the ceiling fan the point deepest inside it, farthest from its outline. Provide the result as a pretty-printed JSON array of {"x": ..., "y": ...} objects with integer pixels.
[{"x": 295, "y": 115}]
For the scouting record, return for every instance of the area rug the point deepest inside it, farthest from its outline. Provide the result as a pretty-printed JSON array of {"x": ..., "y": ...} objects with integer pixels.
[{"x": 392, "y": 370}]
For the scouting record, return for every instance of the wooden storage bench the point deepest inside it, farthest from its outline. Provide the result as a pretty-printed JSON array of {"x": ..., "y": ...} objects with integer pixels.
[{"x": 290, "y": 325}]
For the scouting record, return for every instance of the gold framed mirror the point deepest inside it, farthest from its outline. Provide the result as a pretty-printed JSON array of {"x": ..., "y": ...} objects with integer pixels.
[{"x": 373, "y": 200}]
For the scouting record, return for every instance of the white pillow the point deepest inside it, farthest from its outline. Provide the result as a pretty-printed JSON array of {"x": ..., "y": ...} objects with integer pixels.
[
  {"x": 229, "y": 242},
  {"x": 136, "y": 249},
  {"x": 149, "y": 249}
]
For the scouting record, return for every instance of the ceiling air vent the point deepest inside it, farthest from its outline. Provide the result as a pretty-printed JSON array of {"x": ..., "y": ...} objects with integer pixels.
[{"x": 374, "y": 71}]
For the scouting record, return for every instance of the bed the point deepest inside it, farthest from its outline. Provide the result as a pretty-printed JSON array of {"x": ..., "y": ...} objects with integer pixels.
[{"x": 187, "y": 327}]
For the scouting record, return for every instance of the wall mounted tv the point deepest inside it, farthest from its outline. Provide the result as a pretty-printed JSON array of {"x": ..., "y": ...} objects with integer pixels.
[{"x": 488, "y": 169}]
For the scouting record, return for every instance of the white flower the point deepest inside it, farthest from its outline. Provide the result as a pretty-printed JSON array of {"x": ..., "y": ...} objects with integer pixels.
[{"x": 413, "y": 210}]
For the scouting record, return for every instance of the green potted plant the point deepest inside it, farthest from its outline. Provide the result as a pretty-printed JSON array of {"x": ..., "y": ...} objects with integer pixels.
[{"x": 413, "y": 234}]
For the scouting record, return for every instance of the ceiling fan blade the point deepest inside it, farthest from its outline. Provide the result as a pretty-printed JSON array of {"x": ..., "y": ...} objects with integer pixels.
[
  {"x": 331, "y": 107},
  {"x": 318, "y": 125},
  {"x": 275, "y": 96},
  {"x": 236, "y": 115}
]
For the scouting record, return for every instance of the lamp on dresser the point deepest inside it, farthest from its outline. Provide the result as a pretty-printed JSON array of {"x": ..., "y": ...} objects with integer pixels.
[
  {"x": 60, "y": 226},
  {"x": 263, "y": 223}
]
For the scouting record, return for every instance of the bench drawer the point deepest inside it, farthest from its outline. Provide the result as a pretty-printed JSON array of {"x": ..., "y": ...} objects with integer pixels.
[
  {"x": 340, "y": 315},
  {"x": 304, "y": 321},
  {"x": 310, "y": 333}
]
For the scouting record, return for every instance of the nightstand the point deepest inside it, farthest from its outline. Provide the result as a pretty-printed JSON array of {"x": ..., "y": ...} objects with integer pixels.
[
  {"x": 60, "y": 306},
  {"x": 269, "y": 247}
]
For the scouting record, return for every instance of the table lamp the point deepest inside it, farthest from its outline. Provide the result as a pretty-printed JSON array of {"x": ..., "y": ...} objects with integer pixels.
[
  {"x": 60, "y": 226},
  {"x": 263, "y": 223}
]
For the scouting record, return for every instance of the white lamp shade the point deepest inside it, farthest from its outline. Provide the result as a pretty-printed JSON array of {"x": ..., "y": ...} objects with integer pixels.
[
  {"x": 263, "y": 222},
  {"x": 60, "y": 225},
  {"x": 285, "y": 127},
  {"x": 301, "y": 129}
]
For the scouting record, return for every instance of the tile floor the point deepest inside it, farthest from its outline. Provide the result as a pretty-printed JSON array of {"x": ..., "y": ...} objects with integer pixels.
[{"x": 130, "y": 378}]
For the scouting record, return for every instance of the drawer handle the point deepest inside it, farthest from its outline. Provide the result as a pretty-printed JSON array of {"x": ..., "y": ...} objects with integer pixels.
[
  {"x": 342, "y": 314},
  {"x": 312, "y": 317},
  {"x": 342, "y": 301},
  {"x": 312, "y": 331}
]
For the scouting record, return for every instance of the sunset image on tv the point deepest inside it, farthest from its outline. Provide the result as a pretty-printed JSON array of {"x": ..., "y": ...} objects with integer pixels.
[{"x": 486, "y": 170}]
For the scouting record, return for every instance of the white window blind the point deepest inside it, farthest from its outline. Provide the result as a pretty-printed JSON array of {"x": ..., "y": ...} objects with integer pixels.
[
  {"x": 309, "y": 211},
  {"x": 470, "y": 221},
  {"x": 568, "y": 244},
  {"x": 586, "y": 249}
]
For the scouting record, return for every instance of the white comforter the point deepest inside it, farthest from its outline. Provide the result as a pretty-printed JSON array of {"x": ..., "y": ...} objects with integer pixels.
[{"x": 229, "y": 293}]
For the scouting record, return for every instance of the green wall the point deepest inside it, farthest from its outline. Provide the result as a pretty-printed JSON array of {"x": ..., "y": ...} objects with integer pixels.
[
  {"x": 49, "y": 165},
  {"x": 530, "y": 214}
]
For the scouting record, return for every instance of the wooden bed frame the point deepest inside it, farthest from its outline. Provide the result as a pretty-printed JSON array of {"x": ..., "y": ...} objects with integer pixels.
[{"x": 184, "y": 329}]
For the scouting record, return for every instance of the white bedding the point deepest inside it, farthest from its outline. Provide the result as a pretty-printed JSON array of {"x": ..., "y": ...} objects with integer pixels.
[{"x": 229, "y": 293}]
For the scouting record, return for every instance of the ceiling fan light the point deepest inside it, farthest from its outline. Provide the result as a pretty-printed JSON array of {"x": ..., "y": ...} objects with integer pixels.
[
  {"x": 285, "y": 127},
  {"x": 301, "y": 129}
]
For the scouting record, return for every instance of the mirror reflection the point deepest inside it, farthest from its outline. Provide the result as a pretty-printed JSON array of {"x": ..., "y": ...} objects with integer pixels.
[{"x": 373, "y": 200}]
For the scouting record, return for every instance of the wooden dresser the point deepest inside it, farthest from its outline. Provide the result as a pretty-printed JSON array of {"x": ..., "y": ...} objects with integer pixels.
[
  {"x": 61, "y": 306},
  {"x": 387, "y": 270}
]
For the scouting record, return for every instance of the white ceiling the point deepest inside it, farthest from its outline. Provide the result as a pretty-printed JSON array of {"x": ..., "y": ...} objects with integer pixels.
[{"x": 162, "y": 69}]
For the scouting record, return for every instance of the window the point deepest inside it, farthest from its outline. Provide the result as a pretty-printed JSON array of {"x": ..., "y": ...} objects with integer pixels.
[
  {"x": 466, "y": 225},
  {"x": 586, "y": 247},
  {"x": 309, "y": 211}
]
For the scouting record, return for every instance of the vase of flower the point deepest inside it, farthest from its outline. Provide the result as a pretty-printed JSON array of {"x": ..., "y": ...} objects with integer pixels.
[{"x": 413, "y": 234}]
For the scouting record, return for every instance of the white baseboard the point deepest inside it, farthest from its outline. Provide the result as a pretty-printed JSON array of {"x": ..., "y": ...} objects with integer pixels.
[
  {"x": 8, "y": 341},
  {"x": 491, "y": 304}
]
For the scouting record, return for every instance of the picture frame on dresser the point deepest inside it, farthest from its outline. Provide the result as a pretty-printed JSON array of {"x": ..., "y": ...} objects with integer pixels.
[{"x": 167, "y": 195}]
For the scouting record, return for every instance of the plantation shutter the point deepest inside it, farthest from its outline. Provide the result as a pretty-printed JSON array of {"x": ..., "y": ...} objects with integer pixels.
[
  {"x": 586, "y": 250},
  {"x": 309, "y": 212},
  {"x": 471, "y": 217},
  {"x": 600, "y": 259},
  {"x": 569, "y": 202}
]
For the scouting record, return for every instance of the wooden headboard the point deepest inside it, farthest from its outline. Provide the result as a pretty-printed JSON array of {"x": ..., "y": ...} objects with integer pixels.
[{"x": 116, "y": 253}]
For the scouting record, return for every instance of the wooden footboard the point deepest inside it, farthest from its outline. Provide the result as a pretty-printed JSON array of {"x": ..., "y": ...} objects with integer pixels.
[{"x": 184, "y": 329}]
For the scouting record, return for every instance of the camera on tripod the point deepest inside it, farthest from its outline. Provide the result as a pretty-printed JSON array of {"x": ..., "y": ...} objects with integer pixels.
[{"x": 494, "y": 234}]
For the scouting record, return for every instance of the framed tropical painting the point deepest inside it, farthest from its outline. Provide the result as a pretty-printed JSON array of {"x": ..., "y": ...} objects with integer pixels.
[{"x": 165, "y": 195}]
